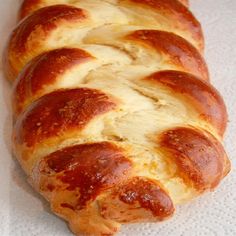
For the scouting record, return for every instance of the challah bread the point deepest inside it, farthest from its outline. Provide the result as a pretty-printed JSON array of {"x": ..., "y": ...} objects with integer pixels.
[{"x": 115, "y": 120}]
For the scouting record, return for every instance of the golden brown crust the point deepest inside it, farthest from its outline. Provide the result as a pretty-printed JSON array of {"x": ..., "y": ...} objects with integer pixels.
[
  {"x": 138, "y": 199},
  {"x": 199, "y": 94},
  {"x": 89, "y": 168},
  {"x": 177, "y": 12},
  {"x": 149, "y": 195},
  {"x": 43, "y": 71},
  {"x": 181, "y": 53},
  {"x": 23, "y": 40},
  {"x": 198, "y": 155},
  {"x": 73, "y": 178},
  {"x": 58, "y": 112}
]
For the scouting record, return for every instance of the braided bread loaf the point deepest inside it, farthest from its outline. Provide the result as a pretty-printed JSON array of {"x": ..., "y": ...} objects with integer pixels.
[{"x": 115, "y": 120}]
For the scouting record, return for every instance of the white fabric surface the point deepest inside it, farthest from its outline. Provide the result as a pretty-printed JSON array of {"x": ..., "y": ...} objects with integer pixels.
[{"x": 24, "y": 212}]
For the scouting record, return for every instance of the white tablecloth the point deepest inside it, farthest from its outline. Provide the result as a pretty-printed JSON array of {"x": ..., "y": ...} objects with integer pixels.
[{"x": 24, "y": 212}]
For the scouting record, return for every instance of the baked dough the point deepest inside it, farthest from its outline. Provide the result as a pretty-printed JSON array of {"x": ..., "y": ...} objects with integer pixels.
[{"x": 115, "y": 120}]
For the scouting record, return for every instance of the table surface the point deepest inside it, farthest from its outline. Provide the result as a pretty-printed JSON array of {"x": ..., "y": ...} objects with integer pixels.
[{"x": 24, "y": 212}]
